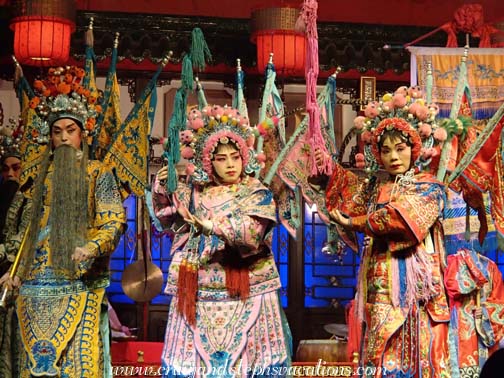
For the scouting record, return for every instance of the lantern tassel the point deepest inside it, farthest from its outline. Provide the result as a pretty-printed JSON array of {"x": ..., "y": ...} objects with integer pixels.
[
  {"x": 309, "y": 17},
  {"x": 300, "y": 25}
]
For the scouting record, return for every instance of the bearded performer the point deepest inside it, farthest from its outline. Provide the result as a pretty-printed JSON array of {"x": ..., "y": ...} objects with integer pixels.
[
  {"x": 225, "y": 317},
  {"x": 77, "y": 220},
  {"x": 14, "y": 218},
  {"x": 400, "y": 314}
]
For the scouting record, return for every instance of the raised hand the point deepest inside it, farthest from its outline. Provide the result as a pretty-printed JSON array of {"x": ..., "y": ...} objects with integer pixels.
[
  {"x": 205, "y": 226},
  {"x": 320, "y": 157},
  {"x": 8, "y": 282},
  {"x": 340, "y": 218},
  {"x": 162, "y": 174},
  {"x": 81, "y": 254}
]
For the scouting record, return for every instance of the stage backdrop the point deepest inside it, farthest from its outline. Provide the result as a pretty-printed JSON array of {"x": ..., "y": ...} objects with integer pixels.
[{"x": 485, "y": 69}]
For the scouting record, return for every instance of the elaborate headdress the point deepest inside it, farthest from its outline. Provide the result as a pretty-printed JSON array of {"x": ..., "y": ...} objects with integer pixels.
[
  {"x": 10, "y": 139},
  {"x": 61, "y": 95},
  {"x": 406, "y": 111},
  {"x": 205, "y": 130}
]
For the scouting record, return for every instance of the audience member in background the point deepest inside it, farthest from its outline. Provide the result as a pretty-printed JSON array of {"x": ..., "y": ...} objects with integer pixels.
[{"x": 14, "y": 218}]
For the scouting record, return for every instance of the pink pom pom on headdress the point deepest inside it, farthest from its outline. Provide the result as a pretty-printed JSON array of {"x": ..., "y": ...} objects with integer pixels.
[
  {"x": 359, "y": 122},
  {"x": 440, "y": 134}
]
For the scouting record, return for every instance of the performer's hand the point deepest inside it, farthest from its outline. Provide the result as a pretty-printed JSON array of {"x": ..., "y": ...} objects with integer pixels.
[
  {"x": 184, "y": 212},
  {"x": 9, "y": 282},
  {"x": 340, "y": 218},
  {"x": 4, "y": 278},
  {"x": 81, "y": 254},
  {"x": 320, "y": 157},
  {"x": 124, "y": 329},
  {"x": 204, "y": 226},
  {"x": 162, "y": 174},
  {"x": 190, "y": 218}
]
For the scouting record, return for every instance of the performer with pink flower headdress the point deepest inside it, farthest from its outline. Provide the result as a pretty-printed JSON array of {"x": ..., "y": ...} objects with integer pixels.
[
  {"x": 418, "y": 312},
  {"x": 399, "y": 319},
  {"x": 225, "y": 313}
]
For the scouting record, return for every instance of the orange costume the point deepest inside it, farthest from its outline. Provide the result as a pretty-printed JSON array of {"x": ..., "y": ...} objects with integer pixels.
[{"x": 400, "y": 304}]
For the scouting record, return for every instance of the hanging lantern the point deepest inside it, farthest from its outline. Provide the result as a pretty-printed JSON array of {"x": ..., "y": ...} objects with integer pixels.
[
  {"x": 42, "y": 30},
  {"x": 273, "y": 31}
]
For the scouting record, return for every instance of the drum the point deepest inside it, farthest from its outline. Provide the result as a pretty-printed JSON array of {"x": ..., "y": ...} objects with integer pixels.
[{"x": 328, "y": 350}]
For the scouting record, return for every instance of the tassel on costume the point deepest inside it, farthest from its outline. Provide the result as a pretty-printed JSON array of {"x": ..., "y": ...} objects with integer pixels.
[
  {"x": 196, "y": 59},
  {"x": 187, "y": 291},
  {"x": 200, "y": 53},
  {"x": 191, "y": 287},
  {"x": 172, "y": 150},
  {"x": 237, "y": 273},
  {"x": 354, "y": 330},
  {"x": 180, "y": 284},
  {"x": 187, "y": 76},
  {"x": 237, "y": 282}
]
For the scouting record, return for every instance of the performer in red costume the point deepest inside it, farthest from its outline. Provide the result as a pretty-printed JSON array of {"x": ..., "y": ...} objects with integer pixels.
[{"x": 400, "y": 312}]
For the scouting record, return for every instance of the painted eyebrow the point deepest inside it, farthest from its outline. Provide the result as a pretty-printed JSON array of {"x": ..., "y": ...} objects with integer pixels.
[
  {"x": 395, "y": 145},
  {"x": 233, "y": 154},
  {"x": 65, "y": 126}
]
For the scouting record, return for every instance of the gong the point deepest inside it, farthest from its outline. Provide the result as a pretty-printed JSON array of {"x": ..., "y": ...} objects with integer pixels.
[
  {"x": 142, "y": 281},
  {"x": 337, "y": 330}
]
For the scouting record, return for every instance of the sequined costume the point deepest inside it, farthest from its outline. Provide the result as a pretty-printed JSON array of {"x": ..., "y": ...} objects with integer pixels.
[
  {"x": 17, "y": 220},
  {"x": 229, "y": 332},
  {"x": 400, "y": 297},
  {"x": 59, "y": 313}
]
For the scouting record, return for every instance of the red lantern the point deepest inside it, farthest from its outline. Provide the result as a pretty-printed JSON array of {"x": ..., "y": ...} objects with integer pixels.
[
  {"x": 273, "y": 31},
  {"x": 42, "y": 31}
]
